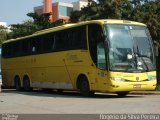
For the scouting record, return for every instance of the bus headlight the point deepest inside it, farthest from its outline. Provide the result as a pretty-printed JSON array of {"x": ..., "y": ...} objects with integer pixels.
[
  {"x": 117, "y": 79},
  {"x": 151, "y": 78}
]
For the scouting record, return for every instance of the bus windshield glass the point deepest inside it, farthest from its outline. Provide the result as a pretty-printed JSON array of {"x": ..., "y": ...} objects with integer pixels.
[{"x": 130, "y": 48}]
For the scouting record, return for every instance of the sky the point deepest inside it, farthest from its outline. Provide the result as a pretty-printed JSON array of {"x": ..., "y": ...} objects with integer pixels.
[{"x": 14, "y": 11}]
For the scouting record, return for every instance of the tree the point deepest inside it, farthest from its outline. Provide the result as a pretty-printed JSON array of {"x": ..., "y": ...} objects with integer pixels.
[
  {"x": 75, "y": 15},
  {"x": 148, "y": 13},
  {"x": 42, "y": 21},
  {"x": 145, "y": 11},
  {"x": 26, "y": 28},
  {"x": 151, "y": 18},
  {"x": 3, "y": 34},
  {"x": 87, "y": 13},
  {"x": 104, "y": 9}
]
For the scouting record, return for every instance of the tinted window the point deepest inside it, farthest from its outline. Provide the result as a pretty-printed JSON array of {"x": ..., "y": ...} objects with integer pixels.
[
  {"x": 73, "y": 38},
  {"x": 95, "y": 35},
  {"x": 16, "y": 48},
  {"x": 49, "y": 42},
  {"x": 26, "y": 47},
  {"x": 6, "y": 50},
  {"x": 77, "y": 38}
]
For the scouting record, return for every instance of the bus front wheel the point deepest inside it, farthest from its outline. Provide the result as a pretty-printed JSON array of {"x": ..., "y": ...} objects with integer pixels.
[
  {"x": 122, "y": 94},
  {"x": 83, "y": 86}
]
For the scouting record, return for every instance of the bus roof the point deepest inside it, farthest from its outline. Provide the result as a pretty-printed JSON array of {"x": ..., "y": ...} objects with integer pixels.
[{"x": 54, "y": 29}]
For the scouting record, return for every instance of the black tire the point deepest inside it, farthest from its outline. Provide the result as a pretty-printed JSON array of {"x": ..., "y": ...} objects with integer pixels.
[
  {"x": 47, "y": 89},
  {"x": 122, "y": 94},
  {"x": 26, "y": 84},
  {"x": 17, "y": 83},
  {"x": 60, "y": 91},
  {"x": 83, "y": 86}
]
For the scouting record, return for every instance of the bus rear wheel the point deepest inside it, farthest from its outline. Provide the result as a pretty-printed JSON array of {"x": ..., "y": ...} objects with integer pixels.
[
  {"x": 60, "y": 91},
  {"x": 26, "y": 83},
  {"x": 17, "y": 83},
  {"x": 83, "y": 86}
]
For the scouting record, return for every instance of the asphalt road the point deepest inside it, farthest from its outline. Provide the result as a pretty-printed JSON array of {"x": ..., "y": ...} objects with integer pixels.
[
  {"x": 40, "y": 102},
  {"x": 35, "y": 102}
]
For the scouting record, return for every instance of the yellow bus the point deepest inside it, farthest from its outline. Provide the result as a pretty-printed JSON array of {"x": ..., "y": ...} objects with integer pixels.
[{"x": 93, "y": 56}]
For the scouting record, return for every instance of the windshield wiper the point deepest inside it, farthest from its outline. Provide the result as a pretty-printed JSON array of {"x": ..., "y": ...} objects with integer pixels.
[{"x": 141, "y": 56}]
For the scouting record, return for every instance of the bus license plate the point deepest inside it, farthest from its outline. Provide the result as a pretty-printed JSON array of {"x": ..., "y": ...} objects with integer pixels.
[{"x": 137, "y": 86}]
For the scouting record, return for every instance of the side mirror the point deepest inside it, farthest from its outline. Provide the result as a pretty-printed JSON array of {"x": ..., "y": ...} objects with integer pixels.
[{"x": 157, "y": 45}]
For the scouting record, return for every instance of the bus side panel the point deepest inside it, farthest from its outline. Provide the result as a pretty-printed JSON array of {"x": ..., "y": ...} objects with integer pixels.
[
  {"x": 7, "y": 80},
  {"x": 11, "y": 68},
  {"x": 79, "y": 63},
  {"x": 48, "y": 71}
]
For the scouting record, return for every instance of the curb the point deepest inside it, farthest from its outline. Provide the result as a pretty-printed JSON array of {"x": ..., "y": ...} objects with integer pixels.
[{"x": 145, "y": 92}]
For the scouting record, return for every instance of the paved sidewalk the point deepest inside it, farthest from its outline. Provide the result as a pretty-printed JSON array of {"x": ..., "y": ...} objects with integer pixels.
[{"x": 0, "y": 86}]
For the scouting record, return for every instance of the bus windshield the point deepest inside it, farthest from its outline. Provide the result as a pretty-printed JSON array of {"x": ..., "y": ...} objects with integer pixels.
[{"x": 130, "y": 48}]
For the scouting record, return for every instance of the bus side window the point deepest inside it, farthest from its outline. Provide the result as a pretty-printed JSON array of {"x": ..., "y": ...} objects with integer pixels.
[
  {"x": 33, "y": 46},
  {"x": 95, "y": 36},
  {"x": 53, "y": 42},
  {"x": 83, "y": 41},
  {"x": 7, "y": 50},
  {"x": 101, "y": 59},
  {"x": 37, "y": 46},
  {"x": 58, "y": 41},
  {"x": 48, "y": 41},
  {"x": 26, "y": 47},
  {"x": 17, "y": 48}
]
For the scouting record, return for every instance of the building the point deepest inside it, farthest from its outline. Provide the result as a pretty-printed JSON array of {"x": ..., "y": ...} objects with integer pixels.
[
  {"x": 47, "y": 8},
  {"x": 60, "y": 10},
  {"x": 79, "y": 4}
]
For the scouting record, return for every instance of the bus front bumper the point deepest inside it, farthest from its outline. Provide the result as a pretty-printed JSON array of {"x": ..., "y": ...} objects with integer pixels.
[{"x": 132, "y": 86}]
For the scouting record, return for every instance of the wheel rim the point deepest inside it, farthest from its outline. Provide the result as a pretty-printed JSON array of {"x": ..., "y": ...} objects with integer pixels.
[{"x": 84, "y": 87}]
